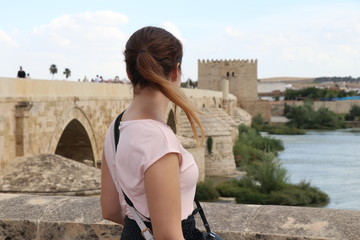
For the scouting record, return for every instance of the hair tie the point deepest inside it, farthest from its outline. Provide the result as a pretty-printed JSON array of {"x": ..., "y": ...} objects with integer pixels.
[{"x": 142, "y": 51}]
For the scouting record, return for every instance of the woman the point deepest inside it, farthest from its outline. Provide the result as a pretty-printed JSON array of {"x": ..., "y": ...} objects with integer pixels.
[{"x": 150, "y": 166}]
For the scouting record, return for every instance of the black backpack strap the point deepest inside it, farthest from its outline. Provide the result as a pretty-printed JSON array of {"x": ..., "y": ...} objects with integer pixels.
[
  {"x": 116, "y": 129},
  {"x": 117, "y": 138},
  {"x": 199, "y": 209}
]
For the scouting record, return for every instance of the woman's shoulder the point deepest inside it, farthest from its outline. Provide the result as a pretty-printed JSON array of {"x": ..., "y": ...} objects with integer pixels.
[
  {"x": 150, "y": 139},
  {"x": 147, "y": 124},
  {"x": 148, "y": 127}
]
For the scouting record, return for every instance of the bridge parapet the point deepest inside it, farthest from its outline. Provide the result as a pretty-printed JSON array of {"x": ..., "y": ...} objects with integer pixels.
[
  {"x": 47, "y": 117},
  {"x": 24, "y": 88},
  {"x": 60, "y": 218}
]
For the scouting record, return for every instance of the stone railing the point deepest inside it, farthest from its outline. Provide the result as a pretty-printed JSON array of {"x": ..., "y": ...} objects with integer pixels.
[{"x": 44, "y": 217}]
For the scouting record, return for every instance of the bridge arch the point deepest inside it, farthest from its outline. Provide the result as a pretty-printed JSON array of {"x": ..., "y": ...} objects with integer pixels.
[{"x": 74, "y": 137}]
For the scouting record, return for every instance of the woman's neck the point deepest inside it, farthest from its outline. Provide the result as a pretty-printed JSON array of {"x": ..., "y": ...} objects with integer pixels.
[{"x": 147, "y": 104}]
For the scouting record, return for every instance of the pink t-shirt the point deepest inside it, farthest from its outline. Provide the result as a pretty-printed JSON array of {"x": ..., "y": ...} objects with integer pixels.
[{"x": 142, "y": 143}]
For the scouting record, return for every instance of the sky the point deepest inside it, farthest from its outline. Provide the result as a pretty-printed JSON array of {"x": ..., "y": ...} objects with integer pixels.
[{"x": 307, "y": 38}]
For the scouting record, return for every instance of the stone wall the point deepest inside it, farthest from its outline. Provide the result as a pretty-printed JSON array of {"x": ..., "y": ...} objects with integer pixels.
[
  {"x": 257, "y": 107},
  {"x": 339, "y": 107},
  {"x": 67, "y": 218},
  {"x": 277, "y": 108},
  {"x": 222, "y": 129},
  {"x": 242, "y": 76},
  {"x": 7, "y": 132},
  {"x": 220, "y": 162}
]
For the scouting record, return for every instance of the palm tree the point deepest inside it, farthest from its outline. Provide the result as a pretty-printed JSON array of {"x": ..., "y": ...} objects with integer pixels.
[
  {"x": 67, "y": 73},
  {"x": 53, "y": 69}
]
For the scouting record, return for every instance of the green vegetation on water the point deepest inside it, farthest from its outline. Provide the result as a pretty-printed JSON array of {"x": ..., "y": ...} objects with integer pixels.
[
  {"x": 259, "y": 124},
  {"x": 266, "y": 181},
  {"x": 251, "y": 146},
  {"x": 305, "y": 117},
  {"x": 246, "y": 192}
]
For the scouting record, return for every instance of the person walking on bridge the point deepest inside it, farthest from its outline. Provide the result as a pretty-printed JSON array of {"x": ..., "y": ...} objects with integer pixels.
[{"x": 21, "y": 73}]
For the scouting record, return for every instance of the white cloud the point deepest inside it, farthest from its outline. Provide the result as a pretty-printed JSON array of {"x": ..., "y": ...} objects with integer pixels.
[
  {"x": 171, "y": 27},
  {"x": 7, "y": 40},
  {"x": 84, "y": 29},
  {"x": 87, "y": 43},
  {"x": 348, "y": 49},
  {"x": 60, "y": 40},
  {"x": 308, "y": 41},
  {"x": 102, "y": 18},
  {"x": 232, "y": 32}
]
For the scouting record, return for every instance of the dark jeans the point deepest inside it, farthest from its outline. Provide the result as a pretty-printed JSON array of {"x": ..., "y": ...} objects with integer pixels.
[{"x": 132, "y": 231}]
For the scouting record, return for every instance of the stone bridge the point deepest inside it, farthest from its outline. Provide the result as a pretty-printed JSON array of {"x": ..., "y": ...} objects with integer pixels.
[
  {"x": 71, "y": 118},
  {"x": 67, "y": 218}
]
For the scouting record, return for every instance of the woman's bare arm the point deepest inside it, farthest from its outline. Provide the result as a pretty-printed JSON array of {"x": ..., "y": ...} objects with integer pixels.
[
  {"x": 109, "y": 197},
  {"x": 162, "y": 186}
]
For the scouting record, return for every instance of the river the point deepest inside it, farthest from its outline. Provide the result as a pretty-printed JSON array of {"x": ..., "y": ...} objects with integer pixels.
[{"x": 329, "y": 160}]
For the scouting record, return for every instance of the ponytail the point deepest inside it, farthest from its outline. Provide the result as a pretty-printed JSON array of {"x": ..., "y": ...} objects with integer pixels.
[
  {"x": 151, "y": 56},
  {"x": 149, "y": 69}
]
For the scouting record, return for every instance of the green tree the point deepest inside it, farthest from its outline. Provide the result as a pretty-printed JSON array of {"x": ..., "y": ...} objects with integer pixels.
[
  {"x": 67, "y": 73},
  {"x": 53, "y": 69},
  {"x": 354, "y": 113},
  {"x": 326, "y": 119},
  {"x": 310, "y": 92},
  {"x": 290, "y": 94},
  {"x": 305, "y": 117},
  {"x": 316, "y": 93},
  {"x": 300, "y": 116}
]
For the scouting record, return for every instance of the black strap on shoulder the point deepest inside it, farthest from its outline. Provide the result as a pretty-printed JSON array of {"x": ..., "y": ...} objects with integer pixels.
[
  {"x": 116, "y": 129},
  {"x": 199, "y": 209},
  {"x": 117, "y": 138}
]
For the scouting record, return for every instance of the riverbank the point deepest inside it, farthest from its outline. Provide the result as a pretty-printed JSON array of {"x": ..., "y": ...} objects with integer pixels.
[
  {"x": 330, "y": 160},
  {"x": 353, "y": 124}
]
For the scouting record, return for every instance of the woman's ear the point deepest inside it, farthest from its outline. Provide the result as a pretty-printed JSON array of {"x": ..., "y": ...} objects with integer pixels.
[
  {"x": 176, "y": 73},
  {"x": 128, "y": 74}
]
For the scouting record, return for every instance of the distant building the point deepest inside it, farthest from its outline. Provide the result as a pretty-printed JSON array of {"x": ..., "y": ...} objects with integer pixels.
[{"x": 242, "y": 81}]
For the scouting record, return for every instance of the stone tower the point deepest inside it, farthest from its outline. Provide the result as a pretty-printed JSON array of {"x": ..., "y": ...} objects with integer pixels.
[{"x": 241, "y": 74}]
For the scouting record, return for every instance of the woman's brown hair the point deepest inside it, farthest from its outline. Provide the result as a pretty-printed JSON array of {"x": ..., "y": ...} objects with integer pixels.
[{"x": 151, "y": 55}]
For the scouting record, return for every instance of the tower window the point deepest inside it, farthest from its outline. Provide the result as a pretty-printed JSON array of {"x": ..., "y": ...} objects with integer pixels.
[
  {"x": 233, "y": 74},
  {"x": 227, "y": 74}
]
